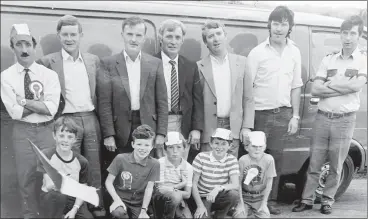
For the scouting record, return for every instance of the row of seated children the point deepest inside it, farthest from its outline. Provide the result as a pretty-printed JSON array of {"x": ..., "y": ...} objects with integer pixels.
[{"x": 216, "y": 185}]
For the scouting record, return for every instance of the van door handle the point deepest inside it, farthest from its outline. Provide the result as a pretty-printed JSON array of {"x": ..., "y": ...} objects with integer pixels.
[{"x": 314, "y": 100}]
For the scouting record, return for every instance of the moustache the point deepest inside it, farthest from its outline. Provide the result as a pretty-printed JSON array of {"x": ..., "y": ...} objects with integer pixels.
[{"x": 24, "y": 54}]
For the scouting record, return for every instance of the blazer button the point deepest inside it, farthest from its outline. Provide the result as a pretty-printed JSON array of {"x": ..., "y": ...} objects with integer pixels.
[
  {"x": 215, "y": 114},
  {"x": 215, "y": 102}
]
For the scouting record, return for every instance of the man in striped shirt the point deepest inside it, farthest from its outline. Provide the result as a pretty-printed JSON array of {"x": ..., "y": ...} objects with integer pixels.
[
  {"x": 216, "y": 177},
  {"x": 175, "y": 180}
]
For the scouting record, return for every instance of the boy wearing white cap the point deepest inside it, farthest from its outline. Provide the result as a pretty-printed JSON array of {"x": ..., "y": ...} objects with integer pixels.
[
  {"x": 30, "y": 93},
  {"x": 256, "y": 172},
  {"x": 216, "y": 177},
  {"x": 175, "y": 183}
]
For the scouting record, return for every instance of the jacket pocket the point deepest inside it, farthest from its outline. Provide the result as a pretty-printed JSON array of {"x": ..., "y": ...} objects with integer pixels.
[
  {"x": 331, "y": 72},
  {"x": 351, "y": 73}
]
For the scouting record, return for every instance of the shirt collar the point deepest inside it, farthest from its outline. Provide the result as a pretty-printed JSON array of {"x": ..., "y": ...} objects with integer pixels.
[
  {"x": 127, "y": 57},
  {"x": 213, "y": 59},
  {"x": 166, "y": 59},
  {"x": 67, "y": 56},
  {"x": 356, "y": 53},
  {"x": 32, "y": 68},
  {"x": 289, "y": 42},
  {"x": 169, "y": 164},
  {"x": 213, "y": 159},
  {"x": 143, "y": 162}
]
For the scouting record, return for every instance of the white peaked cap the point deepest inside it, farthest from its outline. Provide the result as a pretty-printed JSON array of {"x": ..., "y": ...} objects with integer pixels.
[
  {"x": 222, "y": 133},
  {"x": 20, "y": 32},
  {"x": 173, "y": 138},
  {"x": 257, "y": 138}
]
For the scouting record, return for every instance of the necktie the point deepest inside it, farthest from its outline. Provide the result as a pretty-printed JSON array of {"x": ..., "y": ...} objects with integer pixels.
[
  {"x": 174, "y": 89},
  {"x": 27, "y": 81}
]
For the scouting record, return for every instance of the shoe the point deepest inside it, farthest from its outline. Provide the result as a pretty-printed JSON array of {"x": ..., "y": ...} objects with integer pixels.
[
  {"x": 326, "y": 209},
  {"x": 302, "y": 207},
  {"x": 273, "y": 210}
]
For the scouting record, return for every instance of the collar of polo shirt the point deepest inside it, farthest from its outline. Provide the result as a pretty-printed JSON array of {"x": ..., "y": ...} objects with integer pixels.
[
  {"x": 169, "y": 164},
  {"x": 356, "y": 53},
  {"x": 288, "y": 42},
  {"x": 213, "y": 159},
  {"x": 131, "y": 159}
]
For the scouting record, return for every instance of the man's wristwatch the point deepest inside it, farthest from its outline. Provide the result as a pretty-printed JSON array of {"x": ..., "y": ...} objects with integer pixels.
[
  {"x": 145, "y": 209},
  {"x": 23, "y": 102},
  {"x": 296, "y": 117}
]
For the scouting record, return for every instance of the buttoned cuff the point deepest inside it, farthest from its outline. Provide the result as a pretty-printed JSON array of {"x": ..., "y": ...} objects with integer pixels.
[
  {"x": 17, "y": 112},
  {"x": 296, "y": 85}
]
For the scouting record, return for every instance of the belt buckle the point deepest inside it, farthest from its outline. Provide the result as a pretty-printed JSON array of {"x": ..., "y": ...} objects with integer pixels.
[{"x": 276, "y": 110}]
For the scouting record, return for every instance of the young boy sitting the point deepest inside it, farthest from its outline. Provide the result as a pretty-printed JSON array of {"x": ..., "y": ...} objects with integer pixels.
[
  {"x": 53, "y": 204},
  {"x": 135, "y": 175},
  {"x": 256, "y": 172},
  {"x": 175, "y": 180},
  {"x": 216, "y": 177}
]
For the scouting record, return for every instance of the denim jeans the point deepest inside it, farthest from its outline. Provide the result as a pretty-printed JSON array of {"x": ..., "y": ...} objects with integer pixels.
[
  {"x": 275, "y": 126},
  {"x": 331, "y": 142},
  {"x": 170, "y": 205}
]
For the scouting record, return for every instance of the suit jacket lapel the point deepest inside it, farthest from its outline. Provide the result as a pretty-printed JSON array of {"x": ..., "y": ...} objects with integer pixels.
[
  {"x": 91, "y": 69},
  {"x": 181, "y": 74},
  {"x": 57, "y": 66},
  {"x": 207, "y": 73},
  {"x": 234, "y": 70},
  {"x": 123, "y": 73},
  {"x": 145, "y": 72}
]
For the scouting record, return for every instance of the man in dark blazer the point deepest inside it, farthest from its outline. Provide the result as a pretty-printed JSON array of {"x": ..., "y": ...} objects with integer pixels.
[
  {"x": 184, "y": 90},
  {"x": 77, "y": 76},
  {"x": 131, "y": 91}
]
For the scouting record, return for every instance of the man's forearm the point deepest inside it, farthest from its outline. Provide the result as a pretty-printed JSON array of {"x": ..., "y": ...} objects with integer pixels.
[
  {"x": 37, "y": 107},
  {"x": 147, "y": 195},
  {"x": 321, "y": 90},
  {"x": 26, "y": 112},
  {"x": 295, "y": 100}
]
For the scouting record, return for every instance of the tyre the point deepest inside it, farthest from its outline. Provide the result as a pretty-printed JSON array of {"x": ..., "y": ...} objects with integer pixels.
[{"x": 346, "y": 177}]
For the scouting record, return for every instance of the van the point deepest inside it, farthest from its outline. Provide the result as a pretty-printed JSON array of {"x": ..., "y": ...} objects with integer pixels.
[{"x": 315, "y": 35}]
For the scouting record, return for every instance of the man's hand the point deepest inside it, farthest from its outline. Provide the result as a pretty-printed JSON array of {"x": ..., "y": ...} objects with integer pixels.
[
  {"x": 193, "y": 139},
  {"x": 200, "y": 212},
  {"x": 212, "y": 195},
  {"x": 234, "y": 146},
  {"x": 293, "y": 126},
  {"x": 72, "y": 213},
  {"x": 159, "y": 141},
  {"x": 244, "y": 137},
  {"x": 109, "y": 143},
  {"x": 119, "y": 212},
  {"x": 143, "y": 214}
]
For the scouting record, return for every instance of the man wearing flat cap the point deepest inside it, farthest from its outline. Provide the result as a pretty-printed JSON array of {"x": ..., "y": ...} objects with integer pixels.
[{"x": 30, "y": 93}]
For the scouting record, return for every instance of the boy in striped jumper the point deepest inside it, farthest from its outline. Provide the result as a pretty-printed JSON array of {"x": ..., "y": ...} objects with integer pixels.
[
  {"x": 216, "y": 178},
  {"x": 175, "y": 184}
]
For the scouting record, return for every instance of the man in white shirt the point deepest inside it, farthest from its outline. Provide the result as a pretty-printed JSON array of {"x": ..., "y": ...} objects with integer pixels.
[
  {"x": 77, "y": 74},
  {"x": 275, "y": 66},
  {"x": 184, "y": 90},
  {"x": 30, "y": 93},
  {"x": 227, "y": 89}
]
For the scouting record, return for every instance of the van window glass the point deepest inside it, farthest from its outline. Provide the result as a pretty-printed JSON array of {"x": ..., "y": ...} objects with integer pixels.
[
  {"x": 102, "y": 36},
  {"x": 241, "y": 40}
]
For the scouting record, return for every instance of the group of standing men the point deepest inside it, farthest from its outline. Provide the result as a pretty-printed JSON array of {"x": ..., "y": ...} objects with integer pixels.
[{"x": 111, "y": 97}]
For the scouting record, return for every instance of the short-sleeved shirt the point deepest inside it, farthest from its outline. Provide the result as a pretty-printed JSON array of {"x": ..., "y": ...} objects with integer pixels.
[
  {"x": 76, "y": 168},
  {"x": 266, "y": 169},
  {"x": 274, "y": 75},
  {"x": 214, "y": 172},
  {"x": 133, "y": 176},
  {"x": 335, "y": 67},
  {"x": 171, "y": 175}
]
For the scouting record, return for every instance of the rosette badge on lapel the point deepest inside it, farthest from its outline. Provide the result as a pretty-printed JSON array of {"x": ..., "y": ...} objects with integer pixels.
[{"x": 36, "y": 87}]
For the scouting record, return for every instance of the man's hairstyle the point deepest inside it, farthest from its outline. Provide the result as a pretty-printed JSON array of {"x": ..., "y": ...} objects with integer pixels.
[
  {"x": 281, "y": 14},
  {"x": 143, "y": 132},
  {"x": 352, "y": 21},
  {"x": 68, "y": 20},
  {"x": 67, "y": 124},
  {"x": 170, "y": 25},
  {"x": 133, "y": 21},
  {"x": 211, "y": 25},
  {"x": 181, "y": 137},
  {"x": 33, "y": 40}
]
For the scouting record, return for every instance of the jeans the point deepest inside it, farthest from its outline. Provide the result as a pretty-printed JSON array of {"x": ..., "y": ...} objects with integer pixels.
[
  {"x": 170, "y": 205},
  {"x": 223, "y": 203},
  {"x": 275, "y": 126},
  {"x": 331, "y": 142}
]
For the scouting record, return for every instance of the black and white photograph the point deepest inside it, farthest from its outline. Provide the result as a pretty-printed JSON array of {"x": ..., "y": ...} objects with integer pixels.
[{"x": 183, "y": 109}]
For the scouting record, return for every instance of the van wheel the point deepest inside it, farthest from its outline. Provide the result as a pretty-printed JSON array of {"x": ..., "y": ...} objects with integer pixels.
[{"x": 346, "y": 177}]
